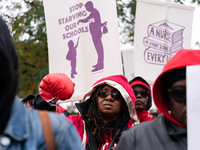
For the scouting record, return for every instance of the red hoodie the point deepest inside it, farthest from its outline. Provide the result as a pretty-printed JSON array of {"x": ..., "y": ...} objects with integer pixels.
[
  {"x": 121, "y": 84},
  {"x": 183, "y": 58}
]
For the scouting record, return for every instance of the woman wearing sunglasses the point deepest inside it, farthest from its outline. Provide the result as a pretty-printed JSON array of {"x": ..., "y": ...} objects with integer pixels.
[
  {"x": 168, "y": 131},
  {"x": 105, "y": 112},
  {"x": 143, "y": 99}
]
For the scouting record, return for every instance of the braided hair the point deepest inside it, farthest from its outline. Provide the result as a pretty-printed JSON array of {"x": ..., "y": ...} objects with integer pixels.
[{"x": 94, "y": 118}]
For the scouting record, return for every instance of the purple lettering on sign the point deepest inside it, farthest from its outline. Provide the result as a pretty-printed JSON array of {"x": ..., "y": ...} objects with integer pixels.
[
  {"x": 75, "y": 7},
  {"x": 72, "y": 17},
  {"x": 148, "y": 56},
  {"x": 75, "y": 32},
  {"x": 71, "y": 26},
  {"x": 163, "y": 41},
  {"x": 155, "y": 57}
]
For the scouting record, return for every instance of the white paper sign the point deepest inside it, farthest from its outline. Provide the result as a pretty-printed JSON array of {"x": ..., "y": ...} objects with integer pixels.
[
  {"x": 161, "y": 29},
  {"x": 193, "y": 105},
  {"x": 127, "y": 55},
  {"x": 83, "y": 40}
]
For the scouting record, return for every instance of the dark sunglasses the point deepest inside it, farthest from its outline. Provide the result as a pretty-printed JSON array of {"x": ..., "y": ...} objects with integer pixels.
[
  {"x": 179, "y": 95},
  {"x": 114, "y": 95},
  {"x": 144, "y": 94}
]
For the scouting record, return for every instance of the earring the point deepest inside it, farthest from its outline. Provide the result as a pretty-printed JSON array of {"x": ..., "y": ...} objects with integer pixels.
[{"x": 169, "y": 111}]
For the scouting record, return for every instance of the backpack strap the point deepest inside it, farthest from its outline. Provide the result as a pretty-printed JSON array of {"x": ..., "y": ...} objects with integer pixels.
[
  {"x": 84, "y": 135},
  {"x": 47, "y": 130}
]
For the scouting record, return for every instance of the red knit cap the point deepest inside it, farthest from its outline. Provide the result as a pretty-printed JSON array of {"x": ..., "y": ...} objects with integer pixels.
[{"x": 140, "y": 82}]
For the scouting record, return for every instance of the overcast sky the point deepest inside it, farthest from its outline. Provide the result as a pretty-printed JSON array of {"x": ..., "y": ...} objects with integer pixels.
[{"x": 196, "y": 25}]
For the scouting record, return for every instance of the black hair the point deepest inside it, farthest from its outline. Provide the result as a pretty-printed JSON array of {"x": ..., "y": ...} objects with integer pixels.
[{"x": 95, "y": 119}]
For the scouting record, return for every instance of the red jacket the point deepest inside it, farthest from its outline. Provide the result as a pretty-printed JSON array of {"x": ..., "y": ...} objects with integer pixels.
[{"x": 183, "y": 58}]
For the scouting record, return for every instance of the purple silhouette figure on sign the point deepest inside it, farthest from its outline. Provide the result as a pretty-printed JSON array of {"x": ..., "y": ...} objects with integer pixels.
[
  {"x": 71, "y": 56},
  {"x": 96, "y": 33}
]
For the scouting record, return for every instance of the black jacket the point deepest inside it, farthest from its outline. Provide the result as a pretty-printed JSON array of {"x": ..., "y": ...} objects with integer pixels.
[
  {"x": 91, "y": 145},
  {"x": 159, "y": 134}
]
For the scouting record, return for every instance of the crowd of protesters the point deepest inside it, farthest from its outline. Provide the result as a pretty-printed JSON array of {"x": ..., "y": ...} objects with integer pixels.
[{"x": 113, "y": 114}]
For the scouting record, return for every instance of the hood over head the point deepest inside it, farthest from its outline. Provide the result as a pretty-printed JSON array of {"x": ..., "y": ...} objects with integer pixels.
[
  {"x": 182, "y": 58},
  {"x": 120, "y": 83},
  {"x": 9, "y": 74},
  {"x": 140, "y": 81}
]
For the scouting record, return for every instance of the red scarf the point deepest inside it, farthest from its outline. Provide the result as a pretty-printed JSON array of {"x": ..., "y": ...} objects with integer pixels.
[
  {"x": 143, "y": 116},
  {"x": 107, "y": 143}
]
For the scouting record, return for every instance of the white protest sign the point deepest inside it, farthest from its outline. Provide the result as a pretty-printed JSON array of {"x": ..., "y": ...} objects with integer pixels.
[
  {"x": 127, "y": 55},
  {"x": 193, "y": 105},
  {"x": 161, "y": 29},
  {"x": 83, "y": 41}
]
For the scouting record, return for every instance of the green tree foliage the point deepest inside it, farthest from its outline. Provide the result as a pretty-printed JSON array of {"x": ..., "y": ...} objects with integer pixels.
[
  {"x": 29, "y": 34},
  {"x": 126, "y": 15},
  {"x": 196, "y": 1},
  {"x": 198, "y": 44}
]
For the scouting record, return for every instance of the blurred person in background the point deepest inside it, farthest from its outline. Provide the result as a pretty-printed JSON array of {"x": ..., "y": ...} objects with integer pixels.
[
  {"x": 154, "y": 113},
  {"x": 143, "y": 99},
  {"x": 20, "y": 127}
]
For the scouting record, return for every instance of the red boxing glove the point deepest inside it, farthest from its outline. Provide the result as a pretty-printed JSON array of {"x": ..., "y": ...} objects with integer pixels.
[{"x": 57, "y": 85}]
